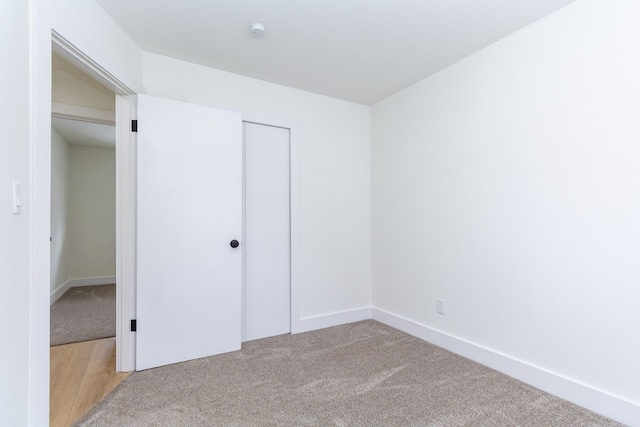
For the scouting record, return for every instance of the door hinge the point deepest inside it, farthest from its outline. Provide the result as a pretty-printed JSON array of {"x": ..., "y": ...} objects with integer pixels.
[
  {"x": 134, "y": 326},
  {"x": 134, "y": 126}
]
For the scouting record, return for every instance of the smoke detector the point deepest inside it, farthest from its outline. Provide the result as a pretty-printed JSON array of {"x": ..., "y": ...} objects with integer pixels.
[{"x": 257, "y": 30}]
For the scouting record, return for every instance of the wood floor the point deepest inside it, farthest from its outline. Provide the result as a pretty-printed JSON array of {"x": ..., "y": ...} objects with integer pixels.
[{"x": 81, "y": 375}]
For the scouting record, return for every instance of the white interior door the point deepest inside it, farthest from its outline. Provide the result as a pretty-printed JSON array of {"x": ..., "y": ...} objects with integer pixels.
[
  {"x": 189, "y": 210},
  {"x": 267, "y": 238}
]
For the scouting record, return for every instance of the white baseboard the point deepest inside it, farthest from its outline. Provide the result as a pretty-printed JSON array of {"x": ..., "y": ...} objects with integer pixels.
[
  {"x": 595, "y": 400},
  {"x": 92, "y": 281},
  {"x": 60, "y": 290},
  {"x": 73, "y": 283},
  {"x": 307, "y": 324}
]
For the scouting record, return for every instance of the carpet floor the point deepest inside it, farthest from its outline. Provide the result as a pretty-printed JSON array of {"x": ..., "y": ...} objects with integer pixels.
[
  {"x": 84, "y": 313},
  {"x": 361, "y": 374}
]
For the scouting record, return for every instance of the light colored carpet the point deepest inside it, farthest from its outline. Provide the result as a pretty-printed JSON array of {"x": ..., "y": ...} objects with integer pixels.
[
  {"x": 84, "y": 313},
  {"x": 362, "y": 374}
]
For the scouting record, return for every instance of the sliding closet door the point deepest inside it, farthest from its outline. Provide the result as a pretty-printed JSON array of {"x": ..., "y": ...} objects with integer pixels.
[
  {"x": 267, "y": 231},
  {"x": 189, "y": 212}
]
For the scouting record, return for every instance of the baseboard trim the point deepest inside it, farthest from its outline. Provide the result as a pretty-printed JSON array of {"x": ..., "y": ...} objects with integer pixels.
[
  {"x": 73, "y": 283},
  {"x": 92, "y": 281},
  {"x": 595, "y": 400},
  {"x": 307, "y": 324},
  {"x": 60, "y": 290}
]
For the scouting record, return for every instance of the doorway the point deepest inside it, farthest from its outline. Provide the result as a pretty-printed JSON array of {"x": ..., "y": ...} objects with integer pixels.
[
  {"x": 267, "y": 231},
  {"x": 125, "y": 153},
  {"x": 83, "y": 199},
  {"x": 83, "y": 226},
  {"x": 82, "y": 242}
]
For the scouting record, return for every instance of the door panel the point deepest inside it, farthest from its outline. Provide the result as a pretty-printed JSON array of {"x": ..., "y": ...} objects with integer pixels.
[
  {"x": 267, "y": 231},
  {"x": 189, "y": 209}
]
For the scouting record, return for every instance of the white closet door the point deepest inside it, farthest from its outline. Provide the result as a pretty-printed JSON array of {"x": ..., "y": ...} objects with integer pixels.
[
  {"x": 189, "y": 295},
  {"x": 267, "y": 231}
]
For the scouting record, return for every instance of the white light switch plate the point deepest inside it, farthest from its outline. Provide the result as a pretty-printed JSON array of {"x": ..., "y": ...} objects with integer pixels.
[{"x": 17, "y": 197}]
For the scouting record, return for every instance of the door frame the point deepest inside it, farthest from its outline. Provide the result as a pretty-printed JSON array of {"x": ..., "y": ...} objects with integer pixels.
[
  {"x": 125, "y": 196},
  {"x": 294, "y": 214}
]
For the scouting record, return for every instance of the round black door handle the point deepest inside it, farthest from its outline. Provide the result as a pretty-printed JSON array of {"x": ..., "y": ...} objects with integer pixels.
[{"x": 234, "y": 244}]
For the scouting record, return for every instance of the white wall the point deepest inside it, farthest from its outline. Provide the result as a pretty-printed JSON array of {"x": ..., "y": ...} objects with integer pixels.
[
  {"x": 14, "y": 229},
  {"x": 59, "y": 211},
  {"x": 507, "y": 184},
  {"x": 335, "y": 260},
  {"x": 89, "y": 28},
  {"x": 83, "y": 222},
  {"x": 92, "y": 212}
]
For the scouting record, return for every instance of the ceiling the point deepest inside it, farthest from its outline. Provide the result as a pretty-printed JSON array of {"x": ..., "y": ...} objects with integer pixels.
[
  {"x": 356, "y": 50},
  {"x": 85, "y": 133}
]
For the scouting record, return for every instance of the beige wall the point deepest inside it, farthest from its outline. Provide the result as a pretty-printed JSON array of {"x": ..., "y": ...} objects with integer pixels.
[
  {"x": 82, "y": 213},
  {"x": 59, "y": 211},
  {"x": 92, "y": 219}
]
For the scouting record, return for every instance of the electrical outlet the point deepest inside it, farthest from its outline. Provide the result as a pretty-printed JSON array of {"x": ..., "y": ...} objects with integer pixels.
[{"x": 440, "y": 306}]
